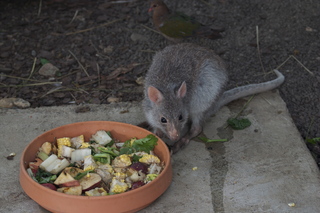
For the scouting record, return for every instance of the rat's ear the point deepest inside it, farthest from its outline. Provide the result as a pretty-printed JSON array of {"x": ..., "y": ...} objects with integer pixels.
[
  {"x": 182, "y": 90},
  {"x": 154, "y": 94}
]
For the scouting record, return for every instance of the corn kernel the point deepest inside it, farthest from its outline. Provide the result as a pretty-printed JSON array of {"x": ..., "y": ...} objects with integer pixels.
[
  {"x": 64, "y": 141},
  {"x": 149, "y": 159},
  {"x": 84, "y": 145}
]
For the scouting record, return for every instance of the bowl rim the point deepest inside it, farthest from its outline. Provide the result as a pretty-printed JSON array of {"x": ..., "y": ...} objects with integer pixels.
[{"x": 114, "y": 196}]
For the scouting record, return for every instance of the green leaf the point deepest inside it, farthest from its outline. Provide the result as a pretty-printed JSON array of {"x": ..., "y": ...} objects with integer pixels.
[
  {"x": 239, "y": 124},
  {"x": 126, "y": 150},
  {"x": 146, "y": 144},
  {"x": 135, "y": 158},
  {"x": 207, "y": 140},
  {"x": 140, "y": 145},
  {"x": 313, "y": 140},
  {"x": 43, "y": 61}
]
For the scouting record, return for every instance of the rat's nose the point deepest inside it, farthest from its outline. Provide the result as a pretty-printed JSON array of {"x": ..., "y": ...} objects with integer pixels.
[{"x": 174, "y": 135}]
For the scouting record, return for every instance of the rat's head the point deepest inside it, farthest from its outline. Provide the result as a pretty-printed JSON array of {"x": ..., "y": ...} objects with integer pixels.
[{"x": 169, "y": 111}]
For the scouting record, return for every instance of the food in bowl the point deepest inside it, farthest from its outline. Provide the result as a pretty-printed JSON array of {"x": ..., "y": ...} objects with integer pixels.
[
  {"x": 99, "y": 167},
  {"x": 130, "y": 201}
]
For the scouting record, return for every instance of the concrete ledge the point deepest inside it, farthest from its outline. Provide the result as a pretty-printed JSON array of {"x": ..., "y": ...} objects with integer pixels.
[{"x": 261, "y": 169}]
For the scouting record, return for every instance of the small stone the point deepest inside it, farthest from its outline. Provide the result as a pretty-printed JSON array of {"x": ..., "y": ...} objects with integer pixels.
[
  {"x": 113, "y": 99},
  {"x": 108, "y": 50},
  {"x": 19, "y": 102},
  {"x": 14, "y": 102},
  {"x": 309, "y": 29},
  {"x": 140, "y": 80},
  {"x": 33, "y": 53},
  {"x": 48, "y": 70},
  {"x": 137, "y": 37},
  {"x": 6, "y": 103}
]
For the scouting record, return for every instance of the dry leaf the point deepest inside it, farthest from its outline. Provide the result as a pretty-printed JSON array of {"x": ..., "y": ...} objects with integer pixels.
[{"x": 121, "y": 71}]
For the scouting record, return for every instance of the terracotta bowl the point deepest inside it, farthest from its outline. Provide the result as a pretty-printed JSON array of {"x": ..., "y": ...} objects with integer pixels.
[{"x": 130, "y": 201}]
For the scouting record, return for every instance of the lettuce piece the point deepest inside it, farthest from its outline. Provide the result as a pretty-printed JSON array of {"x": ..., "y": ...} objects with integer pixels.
[{"x": 146, "y": 144}]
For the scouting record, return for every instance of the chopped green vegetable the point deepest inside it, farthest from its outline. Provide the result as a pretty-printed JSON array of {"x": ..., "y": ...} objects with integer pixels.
[
  {"x": 104, "y": 158},
  {"x": 151, "y": 177},
  {"x": 31, "y": 174},
  {"x": 239, "y": 124},
  {"x": 45, "y": 177},
  {"x": 82, "y": 174},
  {"x": 110, "y": 150},
  {"x": 43, "y": 156},
  {"x": 212, "y": 140}
]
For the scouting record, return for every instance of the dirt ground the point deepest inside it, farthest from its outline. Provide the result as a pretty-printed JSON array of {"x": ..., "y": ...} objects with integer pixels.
[{"x": 103, "y": 49}]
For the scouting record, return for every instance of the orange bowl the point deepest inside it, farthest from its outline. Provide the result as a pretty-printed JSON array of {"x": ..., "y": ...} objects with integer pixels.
[{"x": 130, "y": 201}]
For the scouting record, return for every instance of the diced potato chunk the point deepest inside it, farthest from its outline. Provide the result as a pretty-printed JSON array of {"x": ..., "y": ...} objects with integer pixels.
[{"x": 74, "y": 190}]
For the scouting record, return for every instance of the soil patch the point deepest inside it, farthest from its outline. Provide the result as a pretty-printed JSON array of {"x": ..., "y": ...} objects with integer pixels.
[{"x": 103, "y": 49}]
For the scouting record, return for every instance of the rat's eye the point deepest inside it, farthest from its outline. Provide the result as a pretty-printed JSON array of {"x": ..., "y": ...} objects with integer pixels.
[
  {"x": 163, "y": 120},
  {"x": 180, "y": 117}
]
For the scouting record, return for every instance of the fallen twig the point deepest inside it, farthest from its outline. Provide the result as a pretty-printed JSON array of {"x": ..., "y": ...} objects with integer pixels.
[
  {"x": 258, "y": 48},
  {"x": 74, "y": 16},
  {"x": 98, "y": 70},
  {"x": 91, "y": 28},
  {"x": 121, "y": 70},
  {"x": 25, "y": 79},
  {"x": 33, "y": 67},
  {"x": 292, "y": 56},
  {"x": 82, "y": 67},
  {"x": 30, "y": 85},
  {"x": 63, "y": 89},
  {"x": 150, "y": 29},
  {"x": 244, "y": 106},
  {"x": 40, "y": 8}
]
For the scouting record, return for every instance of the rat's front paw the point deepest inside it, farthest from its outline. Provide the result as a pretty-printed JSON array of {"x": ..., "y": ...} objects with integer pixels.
[{"x": 179, "y": 145}]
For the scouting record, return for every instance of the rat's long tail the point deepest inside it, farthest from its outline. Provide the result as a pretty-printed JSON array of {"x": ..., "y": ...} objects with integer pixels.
[{"x": 240, "y": 92}]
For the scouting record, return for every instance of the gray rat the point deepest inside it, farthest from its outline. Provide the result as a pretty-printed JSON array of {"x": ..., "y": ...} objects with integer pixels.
[{"x": 186, "y": 83}]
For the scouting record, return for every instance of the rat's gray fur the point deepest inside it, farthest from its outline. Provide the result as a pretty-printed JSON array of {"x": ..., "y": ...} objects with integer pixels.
[{"x": 205, "y": 76}]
